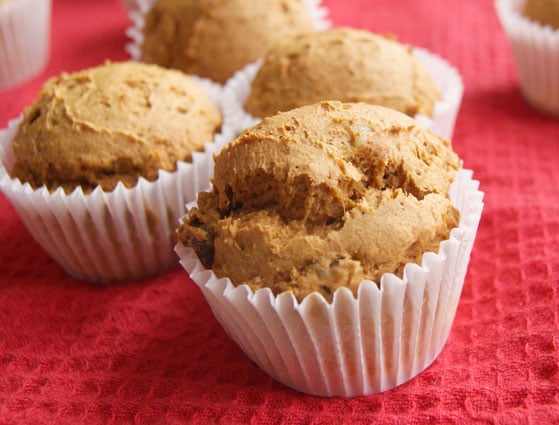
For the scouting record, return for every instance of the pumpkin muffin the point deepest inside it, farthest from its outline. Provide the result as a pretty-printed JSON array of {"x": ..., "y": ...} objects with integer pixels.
[
  {"x": 215, "y": 39},
  {"x": 343, "y": 64},
  {"x": 325, "y": 246},
  {"x": 322, "y": 197},
  {"x": 112, "y": 123},
  {"x": 532, "y": 28},
  {"x": 101, "y": 166}
]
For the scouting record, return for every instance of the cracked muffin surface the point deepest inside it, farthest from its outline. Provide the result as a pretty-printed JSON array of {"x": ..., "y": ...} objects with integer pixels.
[
  {"x": 343, "y": 64},
  {"x": 215, "y": 38},
  {"x": 324, "y": 196},
  {"x": 116, "y": 122}
]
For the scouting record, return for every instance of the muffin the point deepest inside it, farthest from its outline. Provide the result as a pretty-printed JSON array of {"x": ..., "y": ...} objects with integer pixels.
[
  {"x": 531, "y": 27},
  {"x": 299, "y": 201},
  {"x": 24, "y": 40},
  {"x": 214, "y": 39},
  {"x": 307, "y": 210},
  {"x": 324, "y": 65},
  {"x": 101, "y": 165},
  {"x": 113, "y": 123},
  {"x": 349, "y": 65}
]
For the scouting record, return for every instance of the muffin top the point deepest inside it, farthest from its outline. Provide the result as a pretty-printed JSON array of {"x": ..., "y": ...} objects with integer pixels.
[
  {"x": 324, "y": 196},
  {"x": 341, "y": 64},
  {"x": 215, "y": 39},
  {"x": 112, "y": 123},
  {"x": 546, "y": 12}
]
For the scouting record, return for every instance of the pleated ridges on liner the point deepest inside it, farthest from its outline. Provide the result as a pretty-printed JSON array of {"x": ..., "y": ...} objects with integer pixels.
[
  {"x": 353, "y": 346},
  {"x": 24, "y": 40},
  {"x": 536, "y": 52}
]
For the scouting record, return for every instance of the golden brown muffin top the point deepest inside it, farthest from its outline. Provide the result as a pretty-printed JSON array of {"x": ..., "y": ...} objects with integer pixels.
[
  {"x": 546, "y": 12},
  {"x": 324, "y": 196},
  {"x": 112, "y": 123},
  {"x": 341, "y": 64},
  {"x": 215, "y": 38}
]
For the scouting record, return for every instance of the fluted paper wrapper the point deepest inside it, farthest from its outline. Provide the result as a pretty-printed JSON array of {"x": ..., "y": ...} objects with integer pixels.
[
  {"x": 352, "y": 346},
  {"x": 125, "y": 234},
  {"x": 24, "y": 40},
  {"x": 450, "y": 84},
  {"x": 536, "y": 51},
  {"x": 447, "y": 78}
]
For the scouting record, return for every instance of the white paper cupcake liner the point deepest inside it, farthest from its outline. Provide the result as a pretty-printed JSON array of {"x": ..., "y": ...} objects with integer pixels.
[
  {"x": 24, "y": 40},
  {"x": 536, "y": 52},
  {"x": 125, "y": 234},
  {"x": 319, "y": 14},
  {"x": 352, "y": 346},
  {"x": 447, "y": 78},
  {"x": 450, "y": 84},
  {"x": 235, "y": 94}
]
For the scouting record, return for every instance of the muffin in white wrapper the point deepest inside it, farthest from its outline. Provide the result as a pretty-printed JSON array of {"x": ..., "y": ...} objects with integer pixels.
[
  {"x": 352, "y": 346},
  {"x": 318, "y": 14},
  {"x": 447, "y": 78},
  {"x": 124, "y": 234},
  {"x": 536, "y": 52},
  {"x": 24, "y": 40},
  {"x": 139, "y": 9}
]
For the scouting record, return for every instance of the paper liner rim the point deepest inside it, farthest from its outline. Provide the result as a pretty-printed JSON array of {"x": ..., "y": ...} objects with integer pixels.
[
  {"x": 512, "y": 20},
  {"x": 535, "y": 48}
]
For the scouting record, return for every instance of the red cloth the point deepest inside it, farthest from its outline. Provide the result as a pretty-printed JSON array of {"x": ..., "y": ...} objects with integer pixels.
[{"x": 151, "y": 352}]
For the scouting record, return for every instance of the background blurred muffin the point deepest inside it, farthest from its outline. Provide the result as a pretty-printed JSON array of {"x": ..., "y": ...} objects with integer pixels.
[
  {"x": 531, "y": 27},
  {"x": 101, "y": 165},
  {"x": 306, "y": 208},
  {"x": 24, "y": 40},
  {"x": 349, "y": 65},
  {"x": 341, "y": 64},
  {"x": 214, "y": 39}
]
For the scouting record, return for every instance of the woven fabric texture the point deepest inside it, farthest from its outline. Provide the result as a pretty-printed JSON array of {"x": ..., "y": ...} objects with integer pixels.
[{"x": 152, "y": 352}]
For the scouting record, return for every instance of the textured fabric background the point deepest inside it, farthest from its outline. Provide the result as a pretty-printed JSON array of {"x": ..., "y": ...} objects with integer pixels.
[{"x": 151, "y": 352}]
